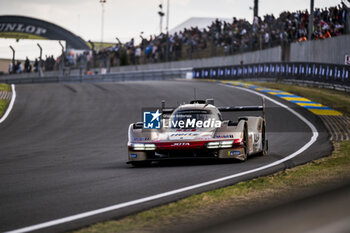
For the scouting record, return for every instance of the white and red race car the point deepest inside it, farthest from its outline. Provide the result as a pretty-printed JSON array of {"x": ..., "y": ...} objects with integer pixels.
[{"x": 197, "y": 130}]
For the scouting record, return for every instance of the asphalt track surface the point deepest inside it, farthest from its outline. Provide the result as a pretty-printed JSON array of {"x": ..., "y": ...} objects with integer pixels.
[{"x": 63, "y": 150}]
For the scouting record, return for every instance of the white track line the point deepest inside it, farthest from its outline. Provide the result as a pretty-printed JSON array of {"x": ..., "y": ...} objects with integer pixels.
[
  {"x": 9, "y": 108},
  {"x": 181, "y": 190}
]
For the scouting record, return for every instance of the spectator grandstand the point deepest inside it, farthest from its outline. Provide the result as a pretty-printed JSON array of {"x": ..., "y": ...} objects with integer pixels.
[
  {"x": 224, "y": 38},
  {"x": 217, "y": 39}
]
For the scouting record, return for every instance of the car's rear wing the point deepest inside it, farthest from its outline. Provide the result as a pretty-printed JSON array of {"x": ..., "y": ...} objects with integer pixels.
[
  {"x": 240, "y": 108},
  {"x": 166, "y": 112},
  {"x": 245, "y": 108}
]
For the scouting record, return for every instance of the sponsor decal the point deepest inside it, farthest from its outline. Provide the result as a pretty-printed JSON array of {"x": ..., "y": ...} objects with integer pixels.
[
  {"x": 234, "y": 152},
  {"x": 181, "y": 144},
  {"x": 134, "y": 156},
  {"x": 224, "y": 136},
  {"x": 141, "y": 139},
  {"x": 183, "y": 134}
]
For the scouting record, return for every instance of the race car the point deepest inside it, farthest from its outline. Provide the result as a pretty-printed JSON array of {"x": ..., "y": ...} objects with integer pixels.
[{"x": 197, "y": 130}]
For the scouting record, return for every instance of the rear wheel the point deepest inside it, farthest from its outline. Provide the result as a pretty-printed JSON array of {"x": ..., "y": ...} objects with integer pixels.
[
  {"x": 263, "y": 142},
  {"x": 245, "y": 143}
]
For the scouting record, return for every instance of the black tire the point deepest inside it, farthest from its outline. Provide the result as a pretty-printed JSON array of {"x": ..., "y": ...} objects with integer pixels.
[
  {"x": 140, "y": 163},
  {"x": 264, "y": 142},
  {"x": 245, "y": 142}
]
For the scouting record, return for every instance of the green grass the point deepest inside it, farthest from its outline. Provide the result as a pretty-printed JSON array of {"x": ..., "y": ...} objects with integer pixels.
[
  {"x": 337, "y": 100},
  {"x": 4, "y": 103},
  {"x": 3, "y": 106},
  {"x": 5, "y": 87},
  {"x": 248, "y": 195}
]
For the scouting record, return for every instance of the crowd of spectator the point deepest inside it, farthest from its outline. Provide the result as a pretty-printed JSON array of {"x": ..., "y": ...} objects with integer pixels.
[
  {"x": 50, "y": 63},
  {"x": 219, "y": 38},
  {"x": 240, "y": 35},
  {"x": 16, "y": 67}
]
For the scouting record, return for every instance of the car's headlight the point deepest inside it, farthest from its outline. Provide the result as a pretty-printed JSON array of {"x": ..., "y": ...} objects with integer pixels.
[
  {"x": 226, "y": 144},
  {"x": 143, "y": 146},
  {"x": 219, "y": 144},
  {"x": 212, "y": 145}
]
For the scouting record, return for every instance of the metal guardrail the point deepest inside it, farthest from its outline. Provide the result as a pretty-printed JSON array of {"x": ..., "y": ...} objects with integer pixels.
[
  {"x": 110, "y": 77},
  {"x": 307, "y": 74},
  {"x": 302, "y": 72}
]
